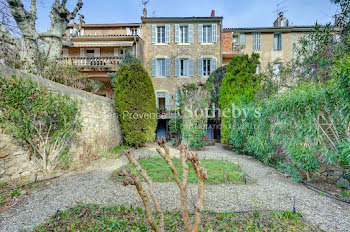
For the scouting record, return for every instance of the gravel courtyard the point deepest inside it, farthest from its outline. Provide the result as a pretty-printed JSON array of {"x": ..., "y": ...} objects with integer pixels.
[{"x": 269, "y": 190}]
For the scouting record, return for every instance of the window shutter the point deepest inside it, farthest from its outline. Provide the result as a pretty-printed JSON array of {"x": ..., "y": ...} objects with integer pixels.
[
  {"x": 82, "y": 52},
  {"x": 167, "y": 67},
  {"x": 215, "y": 32},
  {"x": 115, "y": 51},
  {"x": 177, "y": 33},
  {"x": 190, "y": 33},
  {"x": 167, "y": 100},
  {"x": 177, "y": 67},
  {"x": 280, "y": 42},
  {"x": 154, "y": 67},
  {"x": 200, "y": 67},
  {"x": 190, "y": 67},
  {"x": 154, "y": 33},
  {"x": 242, "y": 39},
  {"x": 167, "y": 33},
  {"x": 275, "y": 42},
  {"x": 200, "y": 33},
  {"x": 214, "y": 64},
  {"x": 128, "y": 31},
  {"x": 97, "y": 52}
]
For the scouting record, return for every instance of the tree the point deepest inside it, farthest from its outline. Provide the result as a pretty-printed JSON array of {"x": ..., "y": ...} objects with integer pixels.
[
  {"x": 239, "y": 86},
  {"x": 186, "y": 156},
  {"x": 49, "y": 43},
  {"x": 214, "y": 83},
  {"x": 136, "y": 104}
]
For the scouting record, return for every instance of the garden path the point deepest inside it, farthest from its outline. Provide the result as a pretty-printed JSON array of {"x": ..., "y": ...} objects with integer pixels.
[{"x": 270, "y": 190}]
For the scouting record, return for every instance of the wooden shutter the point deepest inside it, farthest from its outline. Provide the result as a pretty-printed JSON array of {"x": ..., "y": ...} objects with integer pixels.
[
  {"x": 128, "y": 31},
  {"x": 82, "y": 52},
  {"x": 213, "y": 64},
  {"x": 167, "y": 100},
  {"x": 275, "y": 41},
  {"x": 97, "y": 52},
  {"x": 154, "y": 33},
  {"x": 200, "y": 67},
  {"x": 242, "y": 39},
  {"x": 167, "y": 33},
  {"x": 215, "y": 32},
  {"x": 116, "y": 51},
  {"x": 167, "y": 67},
  {"x": 190, "y": 67},
  {"x": 200, "y": 33},
  {"x": 177, "y": 67},
  {"x": 190, "y": 33},
  {"x": 154, "y": 67},
  {"x": 177, "y": 33}
]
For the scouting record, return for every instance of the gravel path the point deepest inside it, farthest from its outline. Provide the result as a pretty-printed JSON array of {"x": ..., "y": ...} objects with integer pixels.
[{"x": 270, "y": 190}]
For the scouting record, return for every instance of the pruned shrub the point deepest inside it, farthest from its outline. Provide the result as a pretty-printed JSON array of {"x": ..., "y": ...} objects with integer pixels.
[
  {"x": 136, "y": 105},
  {"x": 47, "y": 123}
]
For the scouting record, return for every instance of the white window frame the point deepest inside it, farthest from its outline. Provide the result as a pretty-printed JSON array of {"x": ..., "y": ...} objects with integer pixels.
[
  {"x": 256, "y": 40},
  {"x": 134, "y": 31},
  {"x": 160, "y": 36},
  {"x": 207, "y": 33},
  {"x": 161, "y": 67},
  {"x": 184, "y": 34}
]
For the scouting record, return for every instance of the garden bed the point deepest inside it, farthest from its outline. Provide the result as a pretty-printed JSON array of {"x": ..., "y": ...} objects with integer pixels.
[{"x": 120, "y": 218}]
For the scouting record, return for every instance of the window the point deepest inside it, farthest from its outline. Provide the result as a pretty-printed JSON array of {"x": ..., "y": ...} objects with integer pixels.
[
  {"x": 277, "y": 41},
  {"x": 184, "y": 67},
  {"x": 258, "y": 69},
  {"x": 207, "y": 34},
  {"x": 161, "y": 71},
  {"x": 183, "y": 34},
  {"x": 206, "y": 67},
  {"x": 133, "y": 31},
  {"x": 90, "y": 52},
  {"x": 160, "y": 34},
  {"x": 256, "y": 41},
  {"x": 277, "y": 71}
]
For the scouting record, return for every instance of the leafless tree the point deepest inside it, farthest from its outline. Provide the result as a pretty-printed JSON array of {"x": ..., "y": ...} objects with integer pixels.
[
  {"x": 186, "y": 156},
  {"x": 49, "y": 43}
]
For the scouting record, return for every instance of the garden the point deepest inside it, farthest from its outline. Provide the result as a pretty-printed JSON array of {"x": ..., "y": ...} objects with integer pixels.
[{"x": 282, "y": 165}]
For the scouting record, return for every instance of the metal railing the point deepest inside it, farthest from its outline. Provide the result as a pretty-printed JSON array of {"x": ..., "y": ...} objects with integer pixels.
[{"x": 103, "y": 61}]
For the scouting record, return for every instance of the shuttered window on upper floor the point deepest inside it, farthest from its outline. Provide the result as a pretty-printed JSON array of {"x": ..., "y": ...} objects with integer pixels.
[
  {"x": 207, "y": 33},
  {"x": 277, "y": 41},
  {"x": 160, "y": 33}
]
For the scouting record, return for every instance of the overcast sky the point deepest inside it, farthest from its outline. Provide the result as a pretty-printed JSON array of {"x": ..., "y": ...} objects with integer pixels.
[{"x": 236, "y": 13}]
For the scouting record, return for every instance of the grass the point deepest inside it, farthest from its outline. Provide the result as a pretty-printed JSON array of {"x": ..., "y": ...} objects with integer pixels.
[
  {"x": 116, "y": 152},
  {"x": 218, "y": 171},
  {"x": 96, "y": 218}
]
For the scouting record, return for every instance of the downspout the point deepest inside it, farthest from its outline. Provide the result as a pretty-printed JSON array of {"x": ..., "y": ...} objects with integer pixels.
[{"x": 221, "y": 30}]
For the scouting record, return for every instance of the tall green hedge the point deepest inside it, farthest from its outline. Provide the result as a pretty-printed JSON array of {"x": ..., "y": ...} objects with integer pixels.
[
  {"x": 136, "y": 104},
  {"x": 239, "y": 86}
]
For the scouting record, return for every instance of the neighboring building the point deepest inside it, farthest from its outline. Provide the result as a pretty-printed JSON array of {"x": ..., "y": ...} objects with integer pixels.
[
  {"x": 272, "y": 43},
  {"x": 99, "y": 47}
]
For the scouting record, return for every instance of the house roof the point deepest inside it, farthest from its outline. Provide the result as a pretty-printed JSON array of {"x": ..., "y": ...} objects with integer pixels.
[
  {"x": 180, "y": 19},
  {"x": 108, "y": 25},
  {"x": 307, "y": 28}
]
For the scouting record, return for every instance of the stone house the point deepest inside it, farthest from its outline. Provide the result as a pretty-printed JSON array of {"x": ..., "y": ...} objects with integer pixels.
[
  {"x": 99, "y": 48},
  {"x": 274, "y": 44}
]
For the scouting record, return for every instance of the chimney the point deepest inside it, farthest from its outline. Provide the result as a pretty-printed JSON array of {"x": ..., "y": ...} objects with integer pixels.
[
  {"x": 213, "y": 13},
  {"x": 144, "y": 15},
  {"x": 281, "y": 21}
]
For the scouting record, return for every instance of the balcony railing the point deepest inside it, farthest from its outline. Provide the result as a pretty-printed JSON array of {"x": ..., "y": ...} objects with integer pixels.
[{"x": 102, "y": 62}]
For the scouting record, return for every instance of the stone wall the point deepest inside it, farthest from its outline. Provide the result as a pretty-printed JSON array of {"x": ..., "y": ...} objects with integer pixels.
[{"x": 100, "y": 128}]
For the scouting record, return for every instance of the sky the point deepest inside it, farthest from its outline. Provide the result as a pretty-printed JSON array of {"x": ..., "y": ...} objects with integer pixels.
[{"x": 236, "y": 13}]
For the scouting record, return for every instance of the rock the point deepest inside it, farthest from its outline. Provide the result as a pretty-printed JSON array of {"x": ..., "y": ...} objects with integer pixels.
[
  {"x": 3, "y": 155},
  {"x": 343, "y": 183}
]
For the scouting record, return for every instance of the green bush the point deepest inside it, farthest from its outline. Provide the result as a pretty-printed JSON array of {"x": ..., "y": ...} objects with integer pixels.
[
  {"x": 175, "y": 126},
  {"x": 290, "y": 130},
  {"x": 46, "y": 122},
  {"x": 239, "y": 86},
  {"x": 136, "y": 105}
]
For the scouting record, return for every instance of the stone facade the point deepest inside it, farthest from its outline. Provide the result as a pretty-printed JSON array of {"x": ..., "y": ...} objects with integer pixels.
[
  {"x": 172, "y": 50},
  {"x": 100, "y": 128}
]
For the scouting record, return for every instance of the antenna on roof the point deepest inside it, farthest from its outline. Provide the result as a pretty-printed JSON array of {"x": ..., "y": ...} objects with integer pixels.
[{"x": 280, "y": 7}]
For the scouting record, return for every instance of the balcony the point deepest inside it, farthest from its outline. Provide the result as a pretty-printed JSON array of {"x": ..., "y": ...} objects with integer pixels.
[{"x": 94, "y": 63}]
